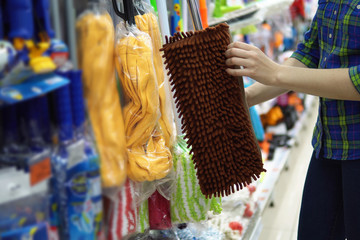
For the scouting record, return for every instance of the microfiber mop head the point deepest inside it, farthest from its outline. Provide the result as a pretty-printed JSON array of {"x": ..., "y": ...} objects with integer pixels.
[{"x": 214, "y": 113}]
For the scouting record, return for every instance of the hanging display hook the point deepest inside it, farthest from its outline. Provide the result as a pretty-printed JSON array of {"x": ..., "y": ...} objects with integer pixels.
[{"x": 128, "y": 14}]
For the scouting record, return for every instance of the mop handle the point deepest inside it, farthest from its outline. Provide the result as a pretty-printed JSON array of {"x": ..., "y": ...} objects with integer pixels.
[{"x": 195, "y": 14}]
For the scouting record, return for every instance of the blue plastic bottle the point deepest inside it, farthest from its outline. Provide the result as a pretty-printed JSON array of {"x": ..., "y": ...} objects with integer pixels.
[
  {"x": 93, "y": 173},
  {"x": 71, "y": 167}
]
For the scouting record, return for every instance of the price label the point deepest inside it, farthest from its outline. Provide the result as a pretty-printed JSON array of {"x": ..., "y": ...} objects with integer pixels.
[{"x": 40, "y": 171}]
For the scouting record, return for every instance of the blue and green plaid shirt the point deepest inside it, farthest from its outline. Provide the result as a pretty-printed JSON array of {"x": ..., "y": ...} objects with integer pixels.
[{"x": 333, "y": 41}]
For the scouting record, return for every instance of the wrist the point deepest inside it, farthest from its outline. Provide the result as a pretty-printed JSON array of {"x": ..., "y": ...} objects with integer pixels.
[
  {"x": 278, "y": 79},
  {"x": 248, "y": 97}
]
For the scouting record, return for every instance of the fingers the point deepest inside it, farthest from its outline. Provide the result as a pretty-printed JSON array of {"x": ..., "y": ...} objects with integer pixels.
[
  {"x": 241, "y": 45},
  {"x": 235, "y": 61},
  {"x": 239, "y": 72},
  {"x": 236, "y": 52}
]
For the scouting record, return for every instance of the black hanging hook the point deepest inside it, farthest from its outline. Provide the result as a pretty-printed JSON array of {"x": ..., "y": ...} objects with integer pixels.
[{"x": 128, "y": 14}]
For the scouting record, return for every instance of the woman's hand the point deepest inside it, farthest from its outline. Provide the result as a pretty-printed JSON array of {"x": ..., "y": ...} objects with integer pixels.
[{"x": 247, "y": 60}]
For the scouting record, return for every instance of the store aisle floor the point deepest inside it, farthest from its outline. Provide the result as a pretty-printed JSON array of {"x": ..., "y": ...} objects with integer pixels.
[{"x": 280, "y": 221}]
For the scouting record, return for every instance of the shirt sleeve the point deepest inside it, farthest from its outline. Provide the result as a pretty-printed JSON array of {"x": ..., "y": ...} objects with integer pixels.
[
  {"x": 354, "y": 73},
  {"x": 308, "y": 51}
]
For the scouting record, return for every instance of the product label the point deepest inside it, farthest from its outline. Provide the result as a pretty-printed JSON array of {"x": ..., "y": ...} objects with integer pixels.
[
  {"x": 40, "y": 171},
  {"x": 80, "y": 210},
  {"x": 78, "y": 185}
]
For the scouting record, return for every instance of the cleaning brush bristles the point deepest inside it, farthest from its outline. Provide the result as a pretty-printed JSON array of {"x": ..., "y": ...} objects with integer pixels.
[{"x": 214, "y": 113}]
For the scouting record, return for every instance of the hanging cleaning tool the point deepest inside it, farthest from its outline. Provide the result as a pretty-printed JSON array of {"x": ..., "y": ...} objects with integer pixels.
[
  {"x": 188, "y": 204},
  {"x": 42, "y": 20},
  {"x": 221, "y": 8},
  {"x": 149, "y": 158},
  {"x": 255, "y": 119},
  {"x": 81, "y": 130},
  {"x": 153, "y": 4},
  {"x": 176, "y": 21},
  {"x": 96, "y": 59},
  {"x": 148, "y": 23},
  {"x": 30, "y": 32},
  {"x": 204, "y": 13},
  {"x": 71, "y": 165},
  {"x": 214, "y": 112}
]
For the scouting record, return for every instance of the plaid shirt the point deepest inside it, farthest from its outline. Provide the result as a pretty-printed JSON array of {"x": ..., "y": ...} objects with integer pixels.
[{"x": 333, "y": 41}]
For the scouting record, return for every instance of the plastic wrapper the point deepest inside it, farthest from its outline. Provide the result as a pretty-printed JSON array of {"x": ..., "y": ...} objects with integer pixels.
[
  {"x": 147, "y": 22},
  {"x": 188, "y": 203},
  {"x": 120, "y": 214},
  {"x": 149, "y": 158},
  {"x": 96, "y": 58},
  {"x": 199, "y": 232},
  {"x": 21, "y": 205}
]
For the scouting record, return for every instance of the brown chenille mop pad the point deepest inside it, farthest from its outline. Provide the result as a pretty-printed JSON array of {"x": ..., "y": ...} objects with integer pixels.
[{"x": 215, "y": 117}]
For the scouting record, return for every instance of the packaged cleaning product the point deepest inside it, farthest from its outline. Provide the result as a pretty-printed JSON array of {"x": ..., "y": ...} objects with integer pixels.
[
  {"x": 121, "y": 212},
  {"x": 83, "y": 133},
  {"x": 96, "y": 59},
  {"x": 146, "y": 21},
  {"x": 70, "y": 165},
  {"x": 149, "y": 158},
  {"x": 188, "y": 203}
]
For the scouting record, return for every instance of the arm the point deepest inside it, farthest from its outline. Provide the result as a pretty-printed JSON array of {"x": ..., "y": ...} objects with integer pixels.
[
  {"x": 341, "y": 83},
  {"x": 258, "y": 93},
  {"x": 306, "y": 55}
]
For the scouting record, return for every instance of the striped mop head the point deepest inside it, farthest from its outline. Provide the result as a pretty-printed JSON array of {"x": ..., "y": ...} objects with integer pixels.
[{"x": 214, "y": 113}]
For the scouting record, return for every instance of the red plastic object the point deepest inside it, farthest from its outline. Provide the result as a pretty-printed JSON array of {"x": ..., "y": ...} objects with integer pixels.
[
  {"x": 248, "y": 212},
  {"x": 236, "y": 226},
  {"x": 159, "y": 212},
  {"x": 251, "y": 188}
]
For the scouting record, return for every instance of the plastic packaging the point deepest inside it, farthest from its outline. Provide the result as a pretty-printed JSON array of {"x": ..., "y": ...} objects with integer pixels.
[
  {"x": 199, "y": 232},
  {"x": 148, "y": 23},
  {"x": 69, "y": 167},
  {"x": 82, "y": 133},
  {"x": 121, "y": 212},
  {"x": 149, "y": 158},
  {"x": 96, "y": 59},
  {"x": 188, "y": 204},
  {"x": 21, "y": 205},
  {"x": 37, "y": 231}
]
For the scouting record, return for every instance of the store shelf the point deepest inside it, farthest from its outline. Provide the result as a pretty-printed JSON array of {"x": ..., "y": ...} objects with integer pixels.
[
  {"x": 254, "y": 228},
  {"x": 238, "y": 14},
  {"x": 252, "y": 14},
  {"x": 274, "y": 168}
]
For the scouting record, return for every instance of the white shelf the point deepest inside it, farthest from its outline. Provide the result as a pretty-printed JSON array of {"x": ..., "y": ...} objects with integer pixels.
[
  {"x": 262, "y": 10},
  {"x": 252, "y": 8}
]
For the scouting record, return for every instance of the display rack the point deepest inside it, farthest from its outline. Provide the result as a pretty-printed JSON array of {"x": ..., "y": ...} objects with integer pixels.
[
  {"x": 252, "y": 14},
  {"x": 275, "y": 167}
]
